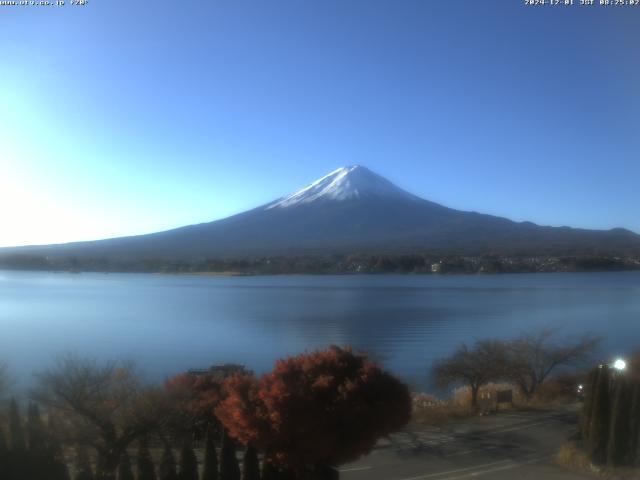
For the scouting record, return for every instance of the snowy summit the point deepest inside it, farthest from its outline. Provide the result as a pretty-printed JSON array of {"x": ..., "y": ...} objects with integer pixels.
[{"x": 345, "y": 183}]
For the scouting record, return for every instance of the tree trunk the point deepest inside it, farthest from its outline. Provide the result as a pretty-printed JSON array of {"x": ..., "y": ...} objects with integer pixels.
[
  {"x": 188, "y": 462},
  {"x": 210, "y": 467},
  {"x": 474, "y": 397},
  {"x": 106, "y": 466},
  {"x": 124, "y": 468},
  {"x": 145, "y": 467},
  {"x": 168, "y": 465},
  {"x": 250, "y": 464},
  {"x": 229, "y": 468}
]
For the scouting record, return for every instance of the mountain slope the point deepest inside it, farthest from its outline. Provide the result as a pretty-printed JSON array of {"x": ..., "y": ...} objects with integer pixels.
[{"x": 352, "y": 210}]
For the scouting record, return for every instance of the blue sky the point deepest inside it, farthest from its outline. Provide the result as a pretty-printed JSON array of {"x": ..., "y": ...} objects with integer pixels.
[{"x": 125, "y": 117}]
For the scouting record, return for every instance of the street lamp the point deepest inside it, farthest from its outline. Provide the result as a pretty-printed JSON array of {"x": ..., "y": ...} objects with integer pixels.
[{"x": 619, "y": 364}]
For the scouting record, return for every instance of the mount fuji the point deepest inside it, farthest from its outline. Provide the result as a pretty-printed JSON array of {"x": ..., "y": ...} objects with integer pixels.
[{"x": 351, "y": 210}]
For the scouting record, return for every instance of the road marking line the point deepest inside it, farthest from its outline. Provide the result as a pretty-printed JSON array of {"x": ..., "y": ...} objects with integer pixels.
[
  {"x": 505, "y": 428},
  {"x": 465, "y": 452},
  {"x": 354, "y": 469},
  {"x": 431, "y": 475},
  {"x": 482, "y": 472},
  {"x": 509, "y": 465},
  {"x": 493, "y": 470},
  {"x": 521, "y": 427}
]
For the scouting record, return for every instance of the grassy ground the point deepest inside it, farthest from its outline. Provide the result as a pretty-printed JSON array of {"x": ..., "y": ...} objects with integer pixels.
[
  {"x": 430, "y": 410},
  {"x": 573, "y": 458},
  {"x": 439, "y": 414}
]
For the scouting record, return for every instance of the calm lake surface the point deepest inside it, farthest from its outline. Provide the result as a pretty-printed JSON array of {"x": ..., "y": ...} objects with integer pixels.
[{"x": 170, "y": 323}]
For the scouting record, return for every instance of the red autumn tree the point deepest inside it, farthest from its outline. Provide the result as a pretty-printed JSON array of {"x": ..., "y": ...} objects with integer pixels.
[
  {"x": 243, "y": 412},
  {"x": 318, "y": 409},
  {"x": 196, "y": 396}
]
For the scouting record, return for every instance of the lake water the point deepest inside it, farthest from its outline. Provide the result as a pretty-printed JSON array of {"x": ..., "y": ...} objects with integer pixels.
[{"x": 170, "y": 323}]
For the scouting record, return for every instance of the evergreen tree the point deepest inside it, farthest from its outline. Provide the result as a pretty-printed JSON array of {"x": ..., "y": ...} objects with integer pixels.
[
  {"x": 229, "y": 468},
  {"x": 3, "y": 443},
  {"x": 56, "y": 463},
  {"x": 600, "y": 418},
  {"x": 4, "y": 456},
  {"x": 82, "y": 465},
  {"x": 250, "y": 464},
  {"x": 619, "y": 438},
  {"x": 39, "y": 460},
  {"x": 35, "y": 430},
  {"x": 145, "y": 468},
  {"x": 168, "y": 465},
  {"x": 58, "y": 470},
  {"x": 15, "y": 428},
  {"x": 634, "y": 422},
  {"x": 124, "y": 468},
  {"x": 188, "y": 462},
  {"x": 102, "y": 470},
  {"x": 210, "y": 468},
  {"x": 269, "y": 471}
]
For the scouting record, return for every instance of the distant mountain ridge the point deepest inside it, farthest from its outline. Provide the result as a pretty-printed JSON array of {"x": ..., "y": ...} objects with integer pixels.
[{"x": 351, "y": 210}]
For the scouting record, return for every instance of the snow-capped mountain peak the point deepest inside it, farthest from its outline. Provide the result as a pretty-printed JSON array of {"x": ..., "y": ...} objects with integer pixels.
[{"x": 345, "y": 183}]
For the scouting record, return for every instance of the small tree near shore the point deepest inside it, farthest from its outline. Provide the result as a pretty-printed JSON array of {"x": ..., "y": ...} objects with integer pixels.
[
  {"x": 532, "y": 358},
  {"x": 473, "y": 367},
  {"x": 99, "y": 405}
]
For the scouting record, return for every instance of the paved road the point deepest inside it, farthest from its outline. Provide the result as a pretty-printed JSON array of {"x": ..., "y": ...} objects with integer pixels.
[{"x": 512, "y": 445}]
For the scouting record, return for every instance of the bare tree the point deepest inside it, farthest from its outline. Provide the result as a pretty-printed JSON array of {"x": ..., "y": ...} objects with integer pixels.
[
  {"x": 533, "y": 357},
  {"x": 473, "y": 367},
  {"x": 103, "y": 406}
]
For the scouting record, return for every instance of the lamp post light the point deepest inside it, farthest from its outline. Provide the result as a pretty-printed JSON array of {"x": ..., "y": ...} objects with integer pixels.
[{"x": 620, "y": 364}]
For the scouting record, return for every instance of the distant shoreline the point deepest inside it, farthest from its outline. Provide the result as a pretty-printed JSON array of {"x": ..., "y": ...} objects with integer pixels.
[
  {"x": 337, "y": 264},
  {"x": 228, "y": 274},
  {"x": 206, "y": 274}
]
